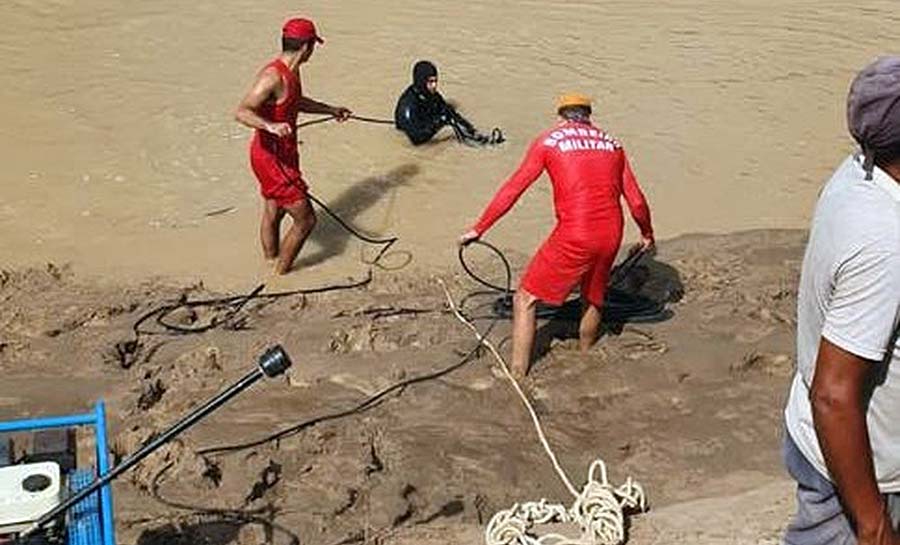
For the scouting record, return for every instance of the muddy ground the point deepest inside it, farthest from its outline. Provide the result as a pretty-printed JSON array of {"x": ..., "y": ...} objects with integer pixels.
[{"x": 689, "y": 406}]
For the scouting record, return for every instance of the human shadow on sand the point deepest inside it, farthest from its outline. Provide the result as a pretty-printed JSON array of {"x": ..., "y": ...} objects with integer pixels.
[
  {"x": 641, "y": 296},
  {"x": 330, "y": 237}
]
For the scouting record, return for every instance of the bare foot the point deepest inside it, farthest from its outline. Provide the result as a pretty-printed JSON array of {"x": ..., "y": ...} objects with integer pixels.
[
  {"x": 280, "y": 270},
  {"x": 266, "y": 269}
]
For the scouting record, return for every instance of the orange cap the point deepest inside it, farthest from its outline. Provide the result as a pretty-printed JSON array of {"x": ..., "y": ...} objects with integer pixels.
[{"x": 573, "y": 99}]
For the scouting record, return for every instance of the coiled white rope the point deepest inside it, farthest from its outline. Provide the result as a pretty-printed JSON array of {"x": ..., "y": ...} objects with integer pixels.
[{"x": 598, "y": 509}]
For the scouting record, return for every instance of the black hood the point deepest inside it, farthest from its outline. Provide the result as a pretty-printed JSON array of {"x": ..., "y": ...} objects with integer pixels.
[{"x": 421, "y": 72}]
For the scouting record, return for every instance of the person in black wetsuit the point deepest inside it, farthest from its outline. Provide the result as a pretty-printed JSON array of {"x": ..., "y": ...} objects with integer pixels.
[{"x": 421, "y": 111}]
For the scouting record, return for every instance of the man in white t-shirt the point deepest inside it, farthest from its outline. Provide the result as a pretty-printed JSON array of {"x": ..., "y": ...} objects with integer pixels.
[{"x": 843, "y": 413}]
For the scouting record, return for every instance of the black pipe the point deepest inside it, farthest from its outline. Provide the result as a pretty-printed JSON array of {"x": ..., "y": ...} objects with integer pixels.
[
  {"x": 620, "y": 271},
  {"x": 618, "y": 307},
  {"x": 271, "y": 363}
]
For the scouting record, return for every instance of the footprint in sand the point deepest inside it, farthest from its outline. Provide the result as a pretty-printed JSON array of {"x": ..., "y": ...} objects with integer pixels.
[
  {"x": 357, "y": 383},
  {"x": 481, "y": 384}
]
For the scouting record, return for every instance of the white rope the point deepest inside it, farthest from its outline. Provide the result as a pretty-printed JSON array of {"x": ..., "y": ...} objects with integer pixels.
[{"x": 598, "y": 509}]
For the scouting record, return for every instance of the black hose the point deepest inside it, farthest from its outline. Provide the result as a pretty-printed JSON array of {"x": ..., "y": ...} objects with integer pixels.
[
  {"x": 472, "y": 138},
  {"x": 360, "y": 407},
  {"x": 385, "y": 243},
  {"x": 364, "y": 119},
  {"x": 233, "y": 304},
  {"x": 375, "y": 399},
  {"x": 263, "y": 516},
  {"x": 474, "y": 276},
  {"x": 230, "y": 306},
  {"x": 272, "y": 363},
  {"x": 618, "y": 307},
  {"x": 373, "y": 120},
  {"x": 621, "y": 271}
]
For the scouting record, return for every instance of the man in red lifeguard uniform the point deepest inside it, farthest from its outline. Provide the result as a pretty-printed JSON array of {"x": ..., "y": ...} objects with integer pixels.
[
  {"x": 271, "y": 108},
  {"x": 590, "y": 174}
]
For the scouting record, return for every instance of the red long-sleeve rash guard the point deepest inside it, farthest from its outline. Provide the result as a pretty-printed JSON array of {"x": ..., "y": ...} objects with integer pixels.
[{"x": 589, "y": 172}]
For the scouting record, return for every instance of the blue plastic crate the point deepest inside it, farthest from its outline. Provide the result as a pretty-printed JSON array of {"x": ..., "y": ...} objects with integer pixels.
[
  {"x": 83, "y": 526},
  {"x": 90, "y": 522}
]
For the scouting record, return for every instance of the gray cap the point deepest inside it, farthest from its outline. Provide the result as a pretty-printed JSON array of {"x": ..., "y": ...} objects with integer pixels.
[{"x": 873, "y": 115}]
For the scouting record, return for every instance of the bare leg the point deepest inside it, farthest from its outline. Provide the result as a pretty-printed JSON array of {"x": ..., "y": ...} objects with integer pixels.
[
  {"x": 523, "y": 332},
  {"x": 589, "y": 328},
  {"x": 269, "y": 228},
  {"x": 304, "y": 219}
]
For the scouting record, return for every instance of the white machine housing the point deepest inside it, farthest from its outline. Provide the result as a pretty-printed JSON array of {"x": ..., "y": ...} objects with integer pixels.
[{"x": 19, "y": 507}]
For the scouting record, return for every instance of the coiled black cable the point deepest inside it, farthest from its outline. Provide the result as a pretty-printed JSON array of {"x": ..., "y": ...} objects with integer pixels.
[
  {"x": 378, "y": 397},
  {"x": 228, "y": 308},
  {"x": 619, "y": 306}
]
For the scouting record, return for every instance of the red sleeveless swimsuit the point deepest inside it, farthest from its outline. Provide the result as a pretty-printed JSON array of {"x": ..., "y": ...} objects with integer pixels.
[{"x": 276, "y": 160}]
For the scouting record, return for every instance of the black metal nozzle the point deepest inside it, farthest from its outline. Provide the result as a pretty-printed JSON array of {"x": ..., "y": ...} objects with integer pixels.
[{"x": 274, "y": 361}]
